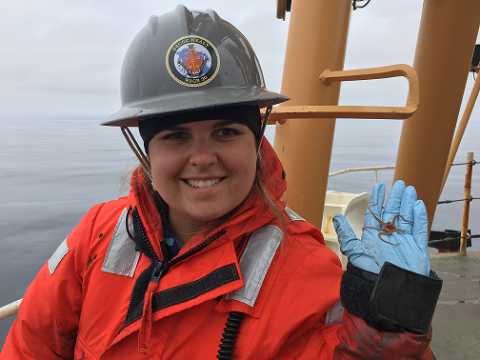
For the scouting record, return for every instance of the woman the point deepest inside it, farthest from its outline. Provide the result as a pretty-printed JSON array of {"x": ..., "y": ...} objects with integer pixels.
[{"x": 203, "y": 250}]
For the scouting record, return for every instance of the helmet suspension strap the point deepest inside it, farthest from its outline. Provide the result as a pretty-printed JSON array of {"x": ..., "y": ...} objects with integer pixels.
[
  {"x": 264, "y": 126},
  {"x": 137, "y": 150}
]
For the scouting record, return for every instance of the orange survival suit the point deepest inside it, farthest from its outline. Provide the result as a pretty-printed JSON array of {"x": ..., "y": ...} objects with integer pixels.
[{"x": 108, "y": 292}]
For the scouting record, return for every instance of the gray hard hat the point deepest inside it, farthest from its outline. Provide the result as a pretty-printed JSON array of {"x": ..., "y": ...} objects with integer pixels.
[{"x": 185, "y": 61}]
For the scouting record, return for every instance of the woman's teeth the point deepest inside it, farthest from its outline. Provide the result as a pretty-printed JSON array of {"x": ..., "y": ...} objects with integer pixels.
[{"x": 203, "y": 184}]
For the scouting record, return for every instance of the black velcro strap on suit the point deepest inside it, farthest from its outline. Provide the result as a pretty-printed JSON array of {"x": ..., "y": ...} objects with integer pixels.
[
  {"x": 405, "y": 298},
  {"x": 356, "y": 290},
  {"x": 393, "y": 300}
]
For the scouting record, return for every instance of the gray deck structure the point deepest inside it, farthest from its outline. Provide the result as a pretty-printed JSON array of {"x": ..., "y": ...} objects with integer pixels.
[{"x": 456, "y": 323}]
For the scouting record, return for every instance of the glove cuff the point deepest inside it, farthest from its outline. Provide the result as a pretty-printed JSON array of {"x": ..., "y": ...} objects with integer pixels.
[
  {"x": 395, "y": 300},
  {"x": 405, "y": 298}
]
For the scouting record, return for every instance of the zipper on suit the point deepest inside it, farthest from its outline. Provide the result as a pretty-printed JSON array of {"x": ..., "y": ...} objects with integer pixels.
[{"x": 162, "y": 267}]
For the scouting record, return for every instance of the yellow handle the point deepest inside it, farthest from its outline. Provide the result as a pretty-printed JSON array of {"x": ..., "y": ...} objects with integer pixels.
[{"x": 282, "y": 113}]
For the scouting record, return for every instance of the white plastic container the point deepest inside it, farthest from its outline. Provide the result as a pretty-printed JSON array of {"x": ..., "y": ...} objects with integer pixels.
[{"x": 353, "y": 207}]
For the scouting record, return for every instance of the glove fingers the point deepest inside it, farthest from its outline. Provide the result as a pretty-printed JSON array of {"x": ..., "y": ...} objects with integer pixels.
[
  {"x": 406, "y": 210},
  {"x": 374, "y": 210},
  {"x": 420, "y": 225},
  {"x": 394, "y": 201},
  {"x": 346, "y": 236},
  {"x": 420, "y": 232}
]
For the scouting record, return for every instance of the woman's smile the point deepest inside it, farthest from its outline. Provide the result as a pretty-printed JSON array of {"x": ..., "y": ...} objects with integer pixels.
[{"x": 202, "y": 184}]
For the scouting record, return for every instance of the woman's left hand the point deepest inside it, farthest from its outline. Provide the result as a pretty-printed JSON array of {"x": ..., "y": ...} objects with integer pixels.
[{"x": 407, "y": 249}]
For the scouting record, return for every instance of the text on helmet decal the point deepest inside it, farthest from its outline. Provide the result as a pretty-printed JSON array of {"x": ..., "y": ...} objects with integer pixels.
[{"x": 192, "y": 61}]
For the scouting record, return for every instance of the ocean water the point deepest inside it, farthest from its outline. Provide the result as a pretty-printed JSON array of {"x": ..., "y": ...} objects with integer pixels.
[{"x": 52, "y": 172}]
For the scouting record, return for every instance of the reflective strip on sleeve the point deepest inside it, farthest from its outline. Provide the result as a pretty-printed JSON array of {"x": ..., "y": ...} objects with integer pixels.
[
  {"x": 57, "y": 256},
  {"x": 293, "y": 215},
  {"x": 255, "y": 262},
  {"x": 121, "y": 258},
  {"x": 334, "y": 314}
]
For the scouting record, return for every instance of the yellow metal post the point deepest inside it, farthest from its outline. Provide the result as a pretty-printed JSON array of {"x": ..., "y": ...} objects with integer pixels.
[
  {"x": 446, "y": 40},
  {"x": 466, "y": 204},
  {"x": 316, "y": 42}
]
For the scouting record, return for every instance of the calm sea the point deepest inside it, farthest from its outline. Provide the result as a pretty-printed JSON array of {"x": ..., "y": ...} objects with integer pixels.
[{"x": 52, "y": 172}]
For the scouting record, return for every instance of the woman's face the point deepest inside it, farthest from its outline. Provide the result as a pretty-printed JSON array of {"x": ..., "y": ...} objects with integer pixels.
[{"x": 203, "y": 169}]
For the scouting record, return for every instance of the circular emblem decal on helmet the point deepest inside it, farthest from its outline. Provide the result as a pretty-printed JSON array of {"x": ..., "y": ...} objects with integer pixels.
[{"x": 192, "y": 61}]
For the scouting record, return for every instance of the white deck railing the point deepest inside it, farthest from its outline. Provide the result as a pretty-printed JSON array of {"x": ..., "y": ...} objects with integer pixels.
[{"x": 374, "y": 168}]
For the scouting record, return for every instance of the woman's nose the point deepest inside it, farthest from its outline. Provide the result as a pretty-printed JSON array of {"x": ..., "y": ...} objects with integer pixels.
[{"x": 203, "y": 154}]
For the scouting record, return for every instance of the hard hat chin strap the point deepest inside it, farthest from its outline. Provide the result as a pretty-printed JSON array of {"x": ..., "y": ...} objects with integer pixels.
[
  {"x": 264, "y": 127},
  {"x": 137, "y": 150}
]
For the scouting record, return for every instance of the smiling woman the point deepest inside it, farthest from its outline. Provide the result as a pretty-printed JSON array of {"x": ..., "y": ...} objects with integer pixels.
[
  {"x": 204, "y": 244},
  {"x": 202, "y": 170}
]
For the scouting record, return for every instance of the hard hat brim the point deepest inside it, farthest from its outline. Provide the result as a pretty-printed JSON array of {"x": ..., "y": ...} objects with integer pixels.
[{"x": 130, "y": 112}]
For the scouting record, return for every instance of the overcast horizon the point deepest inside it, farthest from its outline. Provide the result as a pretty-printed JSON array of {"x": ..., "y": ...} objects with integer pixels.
[{"x": 62, "y": 60}]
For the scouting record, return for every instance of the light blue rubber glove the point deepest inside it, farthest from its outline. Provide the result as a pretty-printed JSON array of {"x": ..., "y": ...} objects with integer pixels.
[{"x": 410, "y": 247}]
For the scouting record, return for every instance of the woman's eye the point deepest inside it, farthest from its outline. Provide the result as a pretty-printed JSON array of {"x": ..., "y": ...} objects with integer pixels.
[
  {"x": 176, "y": 136},
  {"x": 227, "y": 132}
]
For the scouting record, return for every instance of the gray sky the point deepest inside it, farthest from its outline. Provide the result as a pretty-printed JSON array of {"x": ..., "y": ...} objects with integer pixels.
[{"x": 62, "y": 59}]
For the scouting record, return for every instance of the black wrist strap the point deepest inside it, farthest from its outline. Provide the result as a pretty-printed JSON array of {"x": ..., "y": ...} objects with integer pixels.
[
  {"x": 394, "y": 300},
  {"x": 405, "y": 298}
]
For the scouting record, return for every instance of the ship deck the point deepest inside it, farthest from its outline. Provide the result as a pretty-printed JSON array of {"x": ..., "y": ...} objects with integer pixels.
[{"x": 456, "y": 323}]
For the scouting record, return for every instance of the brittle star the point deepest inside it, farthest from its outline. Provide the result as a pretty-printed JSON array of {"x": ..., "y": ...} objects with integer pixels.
[{"x": 388, "y": 228}]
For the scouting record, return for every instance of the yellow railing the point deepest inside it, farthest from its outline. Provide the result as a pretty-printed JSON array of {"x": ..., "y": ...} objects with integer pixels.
[{"x": 282, "y": 113}]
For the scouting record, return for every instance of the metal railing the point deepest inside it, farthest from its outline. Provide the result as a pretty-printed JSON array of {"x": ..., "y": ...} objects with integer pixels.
[
  {"x": 10, "y": 309},
  {"x": 374, "y": 168}
]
